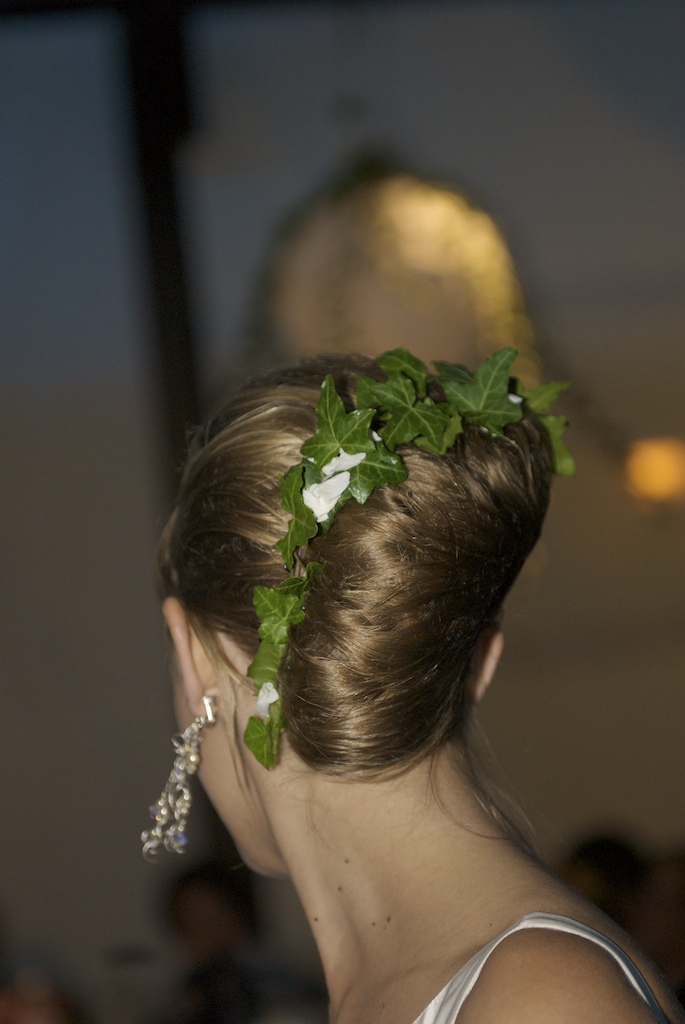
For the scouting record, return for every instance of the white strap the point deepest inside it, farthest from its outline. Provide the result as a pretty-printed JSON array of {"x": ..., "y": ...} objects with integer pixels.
[
  {"x": 571, "y": 927},
  {"x": 446, "y": 1005}
]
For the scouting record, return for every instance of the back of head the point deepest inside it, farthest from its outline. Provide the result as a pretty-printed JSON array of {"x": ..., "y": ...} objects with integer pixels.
[{"x": 376, "y": 675}]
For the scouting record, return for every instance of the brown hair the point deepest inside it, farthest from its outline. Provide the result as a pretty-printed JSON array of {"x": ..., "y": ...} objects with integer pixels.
[{"x": 375, "y": 676}]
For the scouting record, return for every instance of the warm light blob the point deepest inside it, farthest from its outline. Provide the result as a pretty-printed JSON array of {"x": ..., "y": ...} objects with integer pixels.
[
  {"x": 655, "y": 469},
  {"x": 399, "y": 262}
]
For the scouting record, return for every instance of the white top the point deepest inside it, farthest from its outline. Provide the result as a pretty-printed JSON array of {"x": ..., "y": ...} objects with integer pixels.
[{"x": 445, "y": 1008}]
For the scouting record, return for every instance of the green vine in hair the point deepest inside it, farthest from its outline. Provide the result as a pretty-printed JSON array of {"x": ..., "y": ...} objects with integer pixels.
[{"x": 350, "y": 454}]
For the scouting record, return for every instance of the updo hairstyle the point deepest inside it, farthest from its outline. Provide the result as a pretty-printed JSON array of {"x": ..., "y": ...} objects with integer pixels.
[{"x": 375, "y": 676}]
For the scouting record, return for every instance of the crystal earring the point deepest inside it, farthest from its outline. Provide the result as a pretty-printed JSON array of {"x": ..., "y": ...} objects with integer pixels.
[{"x": 170, "y": 813}]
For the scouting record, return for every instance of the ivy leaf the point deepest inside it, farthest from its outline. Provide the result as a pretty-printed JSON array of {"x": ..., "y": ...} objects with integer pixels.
[
  {"x": 265, "y": 664},
  {"x": 313, "y": 569},
  {"x": 278, "y": 607},
  {"x": 453, "y": 371},
  {"x": 379, "y": 467},
  {"x": 337, "y": 429},
  {"x": 563, "y": 462},
  {"x": 399, "y": 360},
  {"x": 283, "y": 605},
  {"x": 454, "y": 425},
  {"x": 303, "y": 526},
  {"x": 261, "y": 735},
  {"x": 365, "y": 392},
  {"x": 542, "y": 397},
  {"x": 405, "y": 417},
  {"x": 485, "y": 398},
  {"x": 426, "y": 420}
]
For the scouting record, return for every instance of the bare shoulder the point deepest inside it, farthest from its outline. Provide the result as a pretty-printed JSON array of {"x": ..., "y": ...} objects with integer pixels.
[{"x": 538, "y": 976}]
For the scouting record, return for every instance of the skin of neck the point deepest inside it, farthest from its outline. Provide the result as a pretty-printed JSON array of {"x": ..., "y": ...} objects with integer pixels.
[
  {"x": 373, "y": 860},
  {"x": 376, "y": 860}
]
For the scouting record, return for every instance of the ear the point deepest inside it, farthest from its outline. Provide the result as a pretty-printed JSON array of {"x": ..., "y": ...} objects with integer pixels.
[
  {"x": 488, "y": 654},
  {"x": 196, "y": 673}
]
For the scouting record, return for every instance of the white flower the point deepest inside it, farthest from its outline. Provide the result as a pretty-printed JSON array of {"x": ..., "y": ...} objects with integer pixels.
[
  {"x": 267, "y": 695},
  {"x": 516, "y": 399},
  {"x": 376, "y": 436},
  {"x": 342, "y": 461},
  {"x": 321, "y": 498}
]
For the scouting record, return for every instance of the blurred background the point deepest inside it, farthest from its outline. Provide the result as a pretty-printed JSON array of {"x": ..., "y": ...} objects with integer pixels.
[{"x": 189, "y": 191}]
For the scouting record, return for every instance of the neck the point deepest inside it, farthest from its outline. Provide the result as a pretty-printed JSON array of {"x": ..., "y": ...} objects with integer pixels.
[{"x": 374, "y": 861}]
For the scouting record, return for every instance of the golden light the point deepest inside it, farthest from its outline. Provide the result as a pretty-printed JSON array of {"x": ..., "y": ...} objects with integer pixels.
[
  {"x": 395, "y": 260},
  {"x": 655, "y": 469},
  {"x": 429, "y": 239}
]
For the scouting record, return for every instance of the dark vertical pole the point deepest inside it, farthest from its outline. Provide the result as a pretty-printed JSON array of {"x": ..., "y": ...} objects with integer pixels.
[{"x": 161, "y": 109}]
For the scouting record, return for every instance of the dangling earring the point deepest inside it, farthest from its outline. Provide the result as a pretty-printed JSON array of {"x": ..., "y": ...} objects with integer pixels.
[{"x": 170, "y": 813}]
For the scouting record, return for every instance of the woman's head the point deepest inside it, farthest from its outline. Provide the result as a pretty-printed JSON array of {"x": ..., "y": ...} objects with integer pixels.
[{"x": 376, "y": 676}]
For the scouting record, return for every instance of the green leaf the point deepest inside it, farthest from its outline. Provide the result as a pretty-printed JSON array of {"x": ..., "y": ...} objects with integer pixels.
[
  {"x": 399, "y": 360},
  {"x": 265, "y": 664},
  {"x": 366, "y": 397},
  {"x": 485, "y": 398},
  {"x": 542, "y": 397},
  {"x": 337, "y": 429},
  {"x": 378, "y": 468},
  {"x": 563, "y": 462},
  {"x": 426, "y": 420},
  {"x": 257, "y": 739},
  {"x": 283, "y": 605},
  {"x": 303, "y": 526},
  {"x": 313, "y": 569},
  {"x": 454, "y": 426},
  {"x": 262, "y": 735},
  {"x": 393, "y": 398},
  {"x": 406, "y": 417},
  {"x": 278, "y": 609},
  {"x": 453, "y": 371}
]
